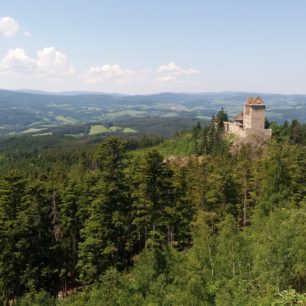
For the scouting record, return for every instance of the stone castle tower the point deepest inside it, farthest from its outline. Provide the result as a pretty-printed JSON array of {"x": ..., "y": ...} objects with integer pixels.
[{"x": 251, "y": 120}]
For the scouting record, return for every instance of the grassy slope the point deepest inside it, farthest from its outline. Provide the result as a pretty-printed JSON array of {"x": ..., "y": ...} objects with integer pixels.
[
  {"x": 97, "y": 129},
  {"x": 179, "y": 145}
]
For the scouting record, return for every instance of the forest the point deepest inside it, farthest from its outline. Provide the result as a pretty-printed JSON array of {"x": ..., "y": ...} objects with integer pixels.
[{"x": 119, "y": 222}]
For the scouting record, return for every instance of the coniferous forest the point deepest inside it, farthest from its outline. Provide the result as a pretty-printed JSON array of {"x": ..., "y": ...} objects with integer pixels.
[{"x": 191, "y": 220}]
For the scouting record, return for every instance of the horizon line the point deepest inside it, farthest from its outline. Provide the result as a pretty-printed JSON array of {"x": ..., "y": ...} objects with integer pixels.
[{"x": 84, "y": 92}]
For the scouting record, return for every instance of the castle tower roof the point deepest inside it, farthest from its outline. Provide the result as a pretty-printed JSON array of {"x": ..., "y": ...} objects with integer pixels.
[{"x": 254, "y": 101}]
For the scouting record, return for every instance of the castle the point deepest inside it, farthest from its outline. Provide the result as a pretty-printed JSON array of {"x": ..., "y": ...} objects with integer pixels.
[{"x": 250, "y": 121}]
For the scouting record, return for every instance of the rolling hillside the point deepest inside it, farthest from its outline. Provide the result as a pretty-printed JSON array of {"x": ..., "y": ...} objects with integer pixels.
[{"x": 27, "y": 111}]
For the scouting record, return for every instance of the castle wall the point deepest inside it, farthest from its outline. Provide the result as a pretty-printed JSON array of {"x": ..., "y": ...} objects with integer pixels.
[
  {"x": 254, "y": 116},
  {"x": 247, "y": 116},
  {"x": 258, "y": 117},
  {"x": 231, "y": 127}
]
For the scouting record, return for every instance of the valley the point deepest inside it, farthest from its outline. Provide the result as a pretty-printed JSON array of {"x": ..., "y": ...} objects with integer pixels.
[{"x": 39, "y": 113}]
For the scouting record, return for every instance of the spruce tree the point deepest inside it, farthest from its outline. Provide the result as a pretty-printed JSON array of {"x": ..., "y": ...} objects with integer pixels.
[
  {"x": 105, "y": 235},
  {"x": 12, "y": 189}
]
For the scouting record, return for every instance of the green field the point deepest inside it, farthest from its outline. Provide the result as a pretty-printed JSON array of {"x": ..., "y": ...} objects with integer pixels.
[
  {"x": 43, "y": 134},
  {"x": 128, "y": 112},
  {"x": 115, "y": 128},
  {"x": 65, "y": 120},
  {"x": 32, "y": 130},
  {"x": 129, "y": 130},
  {"x": 98, "y": 129}
]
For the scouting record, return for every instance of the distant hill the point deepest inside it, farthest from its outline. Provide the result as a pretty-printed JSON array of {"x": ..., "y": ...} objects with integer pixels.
[{"x": 25, "y": 109}]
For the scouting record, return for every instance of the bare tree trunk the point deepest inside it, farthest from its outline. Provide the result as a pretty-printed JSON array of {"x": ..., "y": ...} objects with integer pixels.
[
  {"x": 245, "y": 199},
  {"x": 210, "y": 258},
  {"x": 233, "y": 264},
  {"x": 56, "y": 229},
  {"x": 65, "y": 288},
  {"x": 170, "y": 235}
]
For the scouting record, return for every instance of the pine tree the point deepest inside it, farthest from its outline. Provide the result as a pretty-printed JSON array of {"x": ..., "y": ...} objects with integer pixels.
[
  {"x": 296, "y": 133},
  {"x": 105, "y": 235},
  {"x": 273, "y": 176},
  {"x": 12, "y": 189},
  {"x": 71, "y": 222},
  {"x": 39, "y": 243},
  {"x": 183, "y": 212},
  {"x": 230, "y": 258},
  {"x": 29, "y": 253},
  {"x": 222, "y": 189},
  {"x": 221, "y": 117},
  {"x": 196, "y": 131},
  {"x": 155, "y": 199},
  {"x": 244, "y": 171}
]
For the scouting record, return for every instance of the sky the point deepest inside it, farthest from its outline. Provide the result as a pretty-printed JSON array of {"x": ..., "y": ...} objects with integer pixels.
[{"x": 149, "y": 46}]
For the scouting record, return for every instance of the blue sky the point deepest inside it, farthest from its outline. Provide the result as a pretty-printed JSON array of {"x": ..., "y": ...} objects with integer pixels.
[{"x": 133, "y": 46}]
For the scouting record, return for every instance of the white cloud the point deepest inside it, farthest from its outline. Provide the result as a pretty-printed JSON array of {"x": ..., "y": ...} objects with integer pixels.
[
  {"x": 17, "y": 61},
  {"x": 171, "y": 73},
  {"x": 174, "y": 69},
  {"x": 115, "y": 73},
  {"x": 54, "y": 63},
  {"x": 51, "y": 69},
  {"x": 8, "y": 26},
  {"x": 49, "y": 62},
  {"x": 109, "y": 71},
  {"x": 27, "y": 33},
  {"x": 166, "y": 79}
]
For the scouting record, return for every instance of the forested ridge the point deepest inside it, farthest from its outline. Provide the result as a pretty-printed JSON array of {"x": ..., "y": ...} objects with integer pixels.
[
  {"x": 116, "y": 223},
  {"x": 73, "y": 113}
]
